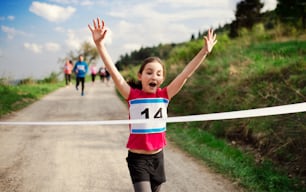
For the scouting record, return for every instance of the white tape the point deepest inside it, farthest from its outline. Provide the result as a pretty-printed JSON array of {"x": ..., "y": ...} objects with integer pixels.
[{"x": 267, "y": 111}]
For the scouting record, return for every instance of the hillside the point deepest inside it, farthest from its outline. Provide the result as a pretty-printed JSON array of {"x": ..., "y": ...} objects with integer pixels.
[
  {"x": 253, "y": 71},
  {"x": 252, "y": 76}
]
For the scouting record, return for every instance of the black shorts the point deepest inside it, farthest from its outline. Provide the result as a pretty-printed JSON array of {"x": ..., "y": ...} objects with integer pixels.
[{"x": 146, "y": 167}]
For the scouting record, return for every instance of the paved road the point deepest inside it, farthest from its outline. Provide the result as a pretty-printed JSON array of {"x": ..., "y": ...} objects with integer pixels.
[{"x": 85, "y": 158}]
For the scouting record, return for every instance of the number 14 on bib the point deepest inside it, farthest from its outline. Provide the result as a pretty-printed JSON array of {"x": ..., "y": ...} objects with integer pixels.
[{"x": 151, "y": 109}]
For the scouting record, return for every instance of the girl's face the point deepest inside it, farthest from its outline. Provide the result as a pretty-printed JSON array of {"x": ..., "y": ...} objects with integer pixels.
[{"x": 151, "y": 77}]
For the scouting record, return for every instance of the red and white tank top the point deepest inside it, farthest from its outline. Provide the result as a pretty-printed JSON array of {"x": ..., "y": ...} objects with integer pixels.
[{"x": 150, "y": 135}]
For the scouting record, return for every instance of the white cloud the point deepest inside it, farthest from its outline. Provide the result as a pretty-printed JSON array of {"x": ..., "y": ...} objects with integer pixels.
[
  {"x": 11, "y": 32},
  {"x": 36, "y": 48},
  {"x": 156, "y": 23},
  {"x": 11, "y": 18},
  {"x": 108, "y": 37},
  {"x": 75, "y": 38},
  {"x": 131, "y": 46},
  {"x": 149, "y": 23},
  {"x": 65, "y": 1},
  {"x": 59, "y": 29},
  {"x": 52, "y": 47},
  {"x": 50, "y": 12},
  {"x": 72, "y": 41},
  {"x": 87, "y": 3},
  {"x": 74, "y": 2},
  {"x": 165, "y": 21},
  {"x": 178, "y": 10},
  {"x": 39, "y": 48}
]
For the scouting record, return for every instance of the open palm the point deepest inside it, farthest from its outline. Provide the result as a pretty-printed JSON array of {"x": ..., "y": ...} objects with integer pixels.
[
  {"x": 210, "y": 40},
  {"x": 98, "y": 31}
]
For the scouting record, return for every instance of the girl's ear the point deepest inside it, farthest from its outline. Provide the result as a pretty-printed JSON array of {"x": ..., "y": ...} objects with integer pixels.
[{"x": 139, "y": 76}]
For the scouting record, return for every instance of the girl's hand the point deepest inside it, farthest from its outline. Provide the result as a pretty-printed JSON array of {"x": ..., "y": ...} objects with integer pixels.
[
  {"x": 210, "y": 40},
  {"x": 99, "y": 30}
]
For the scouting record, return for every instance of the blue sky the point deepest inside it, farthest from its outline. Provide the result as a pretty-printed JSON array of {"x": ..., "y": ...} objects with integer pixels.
[{"x": 35, "y": 34}]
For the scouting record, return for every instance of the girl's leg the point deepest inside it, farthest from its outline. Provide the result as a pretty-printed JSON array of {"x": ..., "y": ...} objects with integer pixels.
[
  {"x": 143, "y": 186},
  {"x": 155, "y": 187},
  {"x": 147, "y": 171}
]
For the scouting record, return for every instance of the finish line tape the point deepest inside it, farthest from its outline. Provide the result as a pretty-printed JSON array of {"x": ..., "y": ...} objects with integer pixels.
[{"x": 267, "y": 111}]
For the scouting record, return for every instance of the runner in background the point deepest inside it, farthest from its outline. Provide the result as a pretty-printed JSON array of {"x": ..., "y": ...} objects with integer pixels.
[
  {"x": 93, "y": 71},
  {"x": 67, "y": 71},
  {"x": 102, "y": 74},
  {"x": 80, "y": 69}
]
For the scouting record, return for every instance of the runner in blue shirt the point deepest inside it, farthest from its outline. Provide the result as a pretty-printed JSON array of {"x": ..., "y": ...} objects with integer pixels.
[{"x": 80, "y": 69}]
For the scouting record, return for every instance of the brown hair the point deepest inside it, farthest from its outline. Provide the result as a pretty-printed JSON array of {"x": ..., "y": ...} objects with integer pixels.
[{"x": 137, "y": 84}]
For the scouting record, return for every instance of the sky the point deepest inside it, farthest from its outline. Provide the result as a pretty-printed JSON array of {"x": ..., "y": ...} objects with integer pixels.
[{"x": 34, "y": 35}]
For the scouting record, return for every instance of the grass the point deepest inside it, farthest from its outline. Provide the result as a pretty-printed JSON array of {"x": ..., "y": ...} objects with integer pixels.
[
  {"x": 231, "y": 161},
  {"x": 269, "y": 154},
  {"x": 16, "y": 97},
  {"x": 244, "y": 77}
]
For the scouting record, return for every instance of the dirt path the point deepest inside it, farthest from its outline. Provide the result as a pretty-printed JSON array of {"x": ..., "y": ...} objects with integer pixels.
[{"x": 85, "y": 158}]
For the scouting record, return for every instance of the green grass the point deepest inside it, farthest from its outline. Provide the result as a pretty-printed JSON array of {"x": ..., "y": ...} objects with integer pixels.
[
  {"x": 15, "y": 97},
  {"x": 241, "y": 76},
  {"x": 229, "y": 160},
  {"x": 244, "y": 77}
]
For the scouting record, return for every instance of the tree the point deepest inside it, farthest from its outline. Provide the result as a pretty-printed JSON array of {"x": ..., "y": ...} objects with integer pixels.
[
  {"x": 247, "y": 14},
  {"x": 292, "y": 11},
  {"x": 88, "y": 50}
]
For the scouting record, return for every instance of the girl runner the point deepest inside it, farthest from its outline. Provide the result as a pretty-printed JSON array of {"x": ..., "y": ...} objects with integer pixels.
[{"x": 147, "y": 100}]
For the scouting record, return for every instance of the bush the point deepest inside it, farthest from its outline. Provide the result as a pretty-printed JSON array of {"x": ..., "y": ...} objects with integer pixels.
[
  {"x": 27, "y": 81},
  {"x": 53, "y": 78}
]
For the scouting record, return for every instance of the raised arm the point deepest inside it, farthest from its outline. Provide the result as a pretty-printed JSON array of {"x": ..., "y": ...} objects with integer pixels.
[
  {"x": 176, "y": 85},
  {"x": 98, "y": 34}
]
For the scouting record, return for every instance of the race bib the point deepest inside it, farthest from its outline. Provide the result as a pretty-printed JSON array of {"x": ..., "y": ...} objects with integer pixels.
[
  {"x": 81, "y": 67},
  {"x": 149, "y": 108}
]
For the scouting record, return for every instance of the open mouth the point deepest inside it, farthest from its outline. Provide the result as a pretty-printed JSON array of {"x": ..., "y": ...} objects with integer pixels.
[{"x": 152, "y": 85}]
